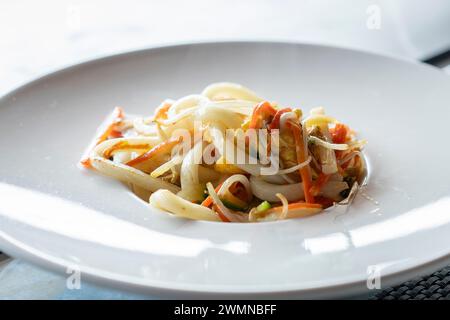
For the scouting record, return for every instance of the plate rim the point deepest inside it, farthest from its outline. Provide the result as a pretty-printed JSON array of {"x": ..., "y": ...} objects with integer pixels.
[
  {"x": 341, "y": 289},
  {"x": 170, "y": 45}
]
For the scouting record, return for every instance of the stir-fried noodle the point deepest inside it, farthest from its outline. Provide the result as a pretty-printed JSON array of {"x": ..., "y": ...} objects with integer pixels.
[{"x": 228, "y": 155}]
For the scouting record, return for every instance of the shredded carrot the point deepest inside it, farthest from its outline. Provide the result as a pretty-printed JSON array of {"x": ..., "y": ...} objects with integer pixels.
[
  {"x": 208, "y": 201},
  {"x": 110, "y": 131},
  {"x": 160, "y": 148},
  {"x": 161, "y": 111},
  {"x": 339, "y": 133},
  {"x": 221, "y": 215},
  {"x": 115, "y": 134},
  {"x": 275, "y": 124},
  {"x": 301, "y": 157},
  {"x": 124, "y": 145},
  {"x": 319, "y": 183},
  {"x": 262, "y": 111},
  {"x": 86, "y": 162},
  {"x": 295, "y": 205},
  {"x": 117, "y": 116}
]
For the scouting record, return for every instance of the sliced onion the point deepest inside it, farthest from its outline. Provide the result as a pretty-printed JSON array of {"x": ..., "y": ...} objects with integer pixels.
[
  {"x": 296, "y": 167},
  {"x": 191, "y": 188},
  {"x": 166, "y": 166},
  {"x": 274, "y": 179},
  {"x": 228, "y": 90},
  {"x": 266, "y": 191},
  {"x": 286, "y": 117},
  {"x": 357, "y": 144},
  {"x": 209, "y": 114},
  {"x": 328, "y": 145},
  {"x": 238, "y": 106},
  {"x": 171, "y": 203},
  {"x": 253, "y": 169},
  {"x": 190, "y": 102},
  {"x": 178, "y": 117},
  {"x": 122, "y": 157},
  {"x": 161, "y": 134},
  {"x": 287, "y": 179},
  {"x": 126, "y": 173},
  {"x": 144, "y": 128},
  {"x": 233, "y": 179},
  {"x": 350, "y": 156}
]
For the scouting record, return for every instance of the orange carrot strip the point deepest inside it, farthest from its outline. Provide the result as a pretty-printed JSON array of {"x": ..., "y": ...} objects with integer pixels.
[
  {"x": 115, "y": 134},
  {"x": 116, "y": 116},
  {"x": 275, "y": 124},
  {"x": 262, "y": 110},
  {"x": 124, "y": 145},
  {"x": 161, "y": 111},
  {"x": 320, "y": 182},
  {"x": 85, "y": 162},
  {"x": 295, "y": 205},
  {"x": 208, "y": 201},
  {"x": 339, "y": 133},
  {"x": 301, "y": 157},
  {"x": 160, "y": 148},
  {"x": 221, "y": 215}
]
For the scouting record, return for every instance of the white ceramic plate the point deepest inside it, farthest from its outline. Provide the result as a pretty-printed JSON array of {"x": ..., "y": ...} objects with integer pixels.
[{"x": 55, "y": 214}]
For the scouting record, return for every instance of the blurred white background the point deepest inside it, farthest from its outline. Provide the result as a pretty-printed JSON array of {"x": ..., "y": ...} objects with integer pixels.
[{"x": 39, "y": 36}]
